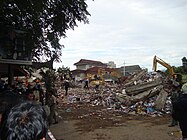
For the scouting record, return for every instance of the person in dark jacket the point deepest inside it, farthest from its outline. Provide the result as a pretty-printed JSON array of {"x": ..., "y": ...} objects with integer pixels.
[
  {"x": 180, "y": 111},
  {"x": 175, "y": 95},
  {"x": 8, "y": 99},
  {"x": 66, "y": 87}
]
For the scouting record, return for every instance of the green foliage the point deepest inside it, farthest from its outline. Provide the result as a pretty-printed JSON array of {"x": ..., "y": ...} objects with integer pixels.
[
  {"x": 65, "y": 72},
  {"x": 45, "y": 21},
  {"x": 49, "y": 77},
  {"x": 179, "y": 70},
  {"x": 184, "y": 59},
  {"x": 184, "y": 78}
]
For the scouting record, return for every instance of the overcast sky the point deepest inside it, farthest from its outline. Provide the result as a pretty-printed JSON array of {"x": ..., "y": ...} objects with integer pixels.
[{"x": 130, "y": 31}]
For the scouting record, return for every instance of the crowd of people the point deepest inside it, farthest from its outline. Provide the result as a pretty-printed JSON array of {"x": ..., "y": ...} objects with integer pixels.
[
  {"x": 26, "y": 112},
  {"x": 179, "y": 108},
  {"x": 180, "y": 111}
]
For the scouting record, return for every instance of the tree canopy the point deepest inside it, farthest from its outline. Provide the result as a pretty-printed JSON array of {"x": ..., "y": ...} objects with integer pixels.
[
  {"x": 179, "y": 69},
  {"x": 184, "y": 59},
  {"x": 45, "y": 21}
]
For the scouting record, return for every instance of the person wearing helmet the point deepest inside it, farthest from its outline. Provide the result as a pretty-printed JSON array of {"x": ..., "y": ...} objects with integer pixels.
[{"x": 180, "y": 111}]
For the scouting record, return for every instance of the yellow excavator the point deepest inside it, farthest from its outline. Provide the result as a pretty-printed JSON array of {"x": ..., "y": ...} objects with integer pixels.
[
  {"x": 176, "y": 76},
  {"x": 97, "y": 78}
]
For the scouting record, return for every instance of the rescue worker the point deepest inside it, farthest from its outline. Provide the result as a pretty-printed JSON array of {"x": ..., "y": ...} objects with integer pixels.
[{"x": 180, "y": 111}]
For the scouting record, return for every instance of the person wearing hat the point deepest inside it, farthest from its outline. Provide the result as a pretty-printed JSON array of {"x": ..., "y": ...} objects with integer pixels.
[{"x": 180, "y": 111}]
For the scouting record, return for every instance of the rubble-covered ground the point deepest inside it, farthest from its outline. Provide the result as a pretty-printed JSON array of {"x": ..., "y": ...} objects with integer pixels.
[
  {"x": 138, "y": 109},
  {"x": 87, "y": 123}
]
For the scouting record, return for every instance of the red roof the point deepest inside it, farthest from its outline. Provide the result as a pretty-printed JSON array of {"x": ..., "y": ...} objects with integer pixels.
[
  {"x": 94, "y": 70},
  {"x": 77, "y": 71},
  {"x": 90, "y": 62}
]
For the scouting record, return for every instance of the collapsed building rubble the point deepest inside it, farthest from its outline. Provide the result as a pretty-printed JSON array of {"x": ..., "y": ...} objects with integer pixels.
[{"x": 143, "y": 93}]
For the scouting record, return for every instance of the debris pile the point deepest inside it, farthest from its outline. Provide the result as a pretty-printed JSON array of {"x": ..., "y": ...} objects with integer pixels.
[{"x": 143, "y": 93}]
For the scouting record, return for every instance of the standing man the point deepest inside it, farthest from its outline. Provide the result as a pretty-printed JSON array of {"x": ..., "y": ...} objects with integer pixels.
[
  {"x": 174, "y": 98},
  {"x": 180, "y": 111},
  {"x": 66, "y": 87},
  {"x": 86, "y": 83},
  {"x": 52, "y": 103}
]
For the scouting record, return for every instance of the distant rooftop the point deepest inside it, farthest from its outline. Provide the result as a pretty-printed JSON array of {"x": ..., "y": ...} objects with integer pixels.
[{"x": 89, "y": 62}]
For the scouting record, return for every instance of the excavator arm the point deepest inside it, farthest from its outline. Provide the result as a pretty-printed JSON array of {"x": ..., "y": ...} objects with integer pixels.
[{"x": 163, "y": 63}]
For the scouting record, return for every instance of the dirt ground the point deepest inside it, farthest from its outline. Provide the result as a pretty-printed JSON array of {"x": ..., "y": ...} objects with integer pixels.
[{"x": 87, "y": 122}]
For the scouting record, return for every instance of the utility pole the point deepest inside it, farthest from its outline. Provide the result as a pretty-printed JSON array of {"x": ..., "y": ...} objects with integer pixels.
[{"x": 124, "y": 69}]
